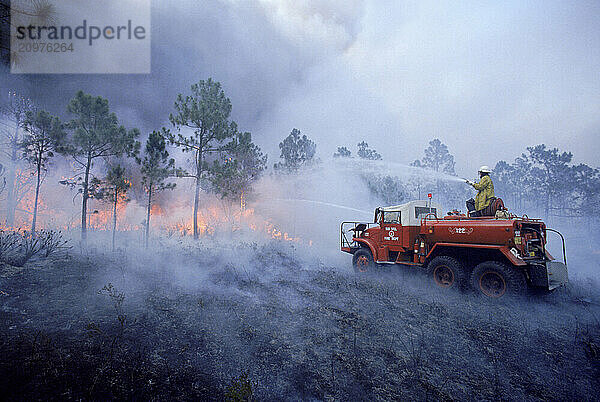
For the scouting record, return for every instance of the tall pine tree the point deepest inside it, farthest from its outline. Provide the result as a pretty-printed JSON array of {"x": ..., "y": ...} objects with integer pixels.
[
  {"x": 44, "y": 136},
  {"x": 95, "y": 134},
  {"x": 156, "y": 167},
  {"x": 202, "y": 123}
]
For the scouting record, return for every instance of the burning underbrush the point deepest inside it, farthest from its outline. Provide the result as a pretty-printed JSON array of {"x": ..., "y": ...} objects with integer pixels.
[
  {"x": 214, "y": 319},
  {"x": 284, "y": 207},
  {"x": 216, "y": 217}
]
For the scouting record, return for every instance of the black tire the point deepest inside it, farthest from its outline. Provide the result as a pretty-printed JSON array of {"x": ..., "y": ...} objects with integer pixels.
[
  {"x": 362, "y": 261},
  {"x": 446, "y": 272},
  {"x": 495, "y": 279}
]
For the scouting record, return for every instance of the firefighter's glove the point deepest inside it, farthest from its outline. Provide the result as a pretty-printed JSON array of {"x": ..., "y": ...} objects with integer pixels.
[{"x": 469, "y": 182}]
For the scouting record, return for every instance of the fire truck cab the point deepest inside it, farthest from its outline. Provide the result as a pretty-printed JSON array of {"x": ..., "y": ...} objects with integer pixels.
[{"x": 493, "y": 255}]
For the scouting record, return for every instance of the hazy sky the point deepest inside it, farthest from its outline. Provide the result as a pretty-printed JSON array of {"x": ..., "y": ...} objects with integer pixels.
[{"x": 487, "y": 78}]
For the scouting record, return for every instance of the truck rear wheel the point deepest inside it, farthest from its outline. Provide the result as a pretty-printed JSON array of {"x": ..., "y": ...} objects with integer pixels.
[
  {"x": 362, "y": 261},
  {"x": 446, "y": 272},
  {"x": 495, "y": 279}
]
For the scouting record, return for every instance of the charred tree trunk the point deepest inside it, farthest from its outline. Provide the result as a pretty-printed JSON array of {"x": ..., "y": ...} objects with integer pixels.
[
  {"x": 11, "y": 196},
  {"x": 37, "y": 193},
  {"x": 148, "y": 214},
  {"x": 85, "y": 198},
  {"x": 197, "y": 194},
  {"x": 114, "y": 228}
]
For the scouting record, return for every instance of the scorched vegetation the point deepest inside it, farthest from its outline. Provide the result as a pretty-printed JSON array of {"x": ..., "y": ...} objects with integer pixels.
[{"x": 199, "y": 320}]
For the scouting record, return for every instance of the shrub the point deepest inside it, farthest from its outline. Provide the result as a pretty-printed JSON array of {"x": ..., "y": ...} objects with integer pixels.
[{"x": 18, "y": 247}]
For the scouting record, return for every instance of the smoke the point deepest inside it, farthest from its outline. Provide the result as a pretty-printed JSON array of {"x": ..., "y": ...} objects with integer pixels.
[
  {"x": 258, "y": 51},
  {"x": 475, "y": 76},
  {"x": 304, "y": 208}
]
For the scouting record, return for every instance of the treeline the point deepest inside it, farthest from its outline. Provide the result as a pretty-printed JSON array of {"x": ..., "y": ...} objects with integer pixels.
[
  {"x": 541, "y": 180},
  {"x": 546, "y": 179},
  {"x": 106, "y": 155}
]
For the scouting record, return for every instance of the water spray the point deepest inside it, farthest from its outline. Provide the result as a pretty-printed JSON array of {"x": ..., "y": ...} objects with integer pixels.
[
  {"x": 328, "y": 204},
  {"x": 393, "y": 168}
]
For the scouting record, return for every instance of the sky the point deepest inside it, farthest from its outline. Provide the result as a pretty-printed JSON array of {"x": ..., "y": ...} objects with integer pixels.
[{"x": 487, "y": 78}]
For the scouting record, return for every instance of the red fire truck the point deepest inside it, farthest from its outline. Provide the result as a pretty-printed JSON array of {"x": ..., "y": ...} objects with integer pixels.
[{"x": 494, "y": 256}]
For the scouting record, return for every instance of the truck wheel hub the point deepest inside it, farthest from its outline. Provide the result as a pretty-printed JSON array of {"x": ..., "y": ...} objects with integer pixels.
[
  {"x": 443, "y": 276},
  {"x": 492, "y": 284},
  {"x": 362, "y": 262}
]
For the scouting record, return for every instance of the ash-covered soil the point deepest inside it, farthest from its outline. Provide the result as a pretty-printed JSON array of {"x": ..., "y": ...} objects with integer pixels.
[{"x": 270, "y": 322}]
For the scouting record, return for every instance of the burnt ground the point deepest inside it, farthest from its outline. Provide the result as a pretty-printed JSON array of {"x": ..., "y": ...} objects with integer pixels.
[{"x": 271, "y": 323}]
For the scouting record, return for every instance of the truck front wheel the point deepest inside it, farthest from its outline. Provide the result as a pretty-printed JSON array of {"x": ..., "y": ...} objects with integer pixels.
[
  {"x": 362, "y": 261},
  {"x": 495, "y": 279},
  {"x": 446, "y": 272}
]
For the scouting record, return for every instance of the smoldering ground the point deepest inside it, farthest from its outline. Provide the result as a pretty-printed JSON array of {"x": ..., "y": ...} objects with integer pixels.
[{"x": 186, "y": 319}]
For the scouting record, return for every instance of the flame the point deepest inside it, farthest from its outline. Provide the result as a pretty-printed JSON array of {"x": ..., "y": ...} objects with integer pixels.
[
  {"x": 170, "y": 219},
  {"x": 100, "y": 216},
  {"x": 156, "y": 210},
  {"x": 213, "y": 219}
]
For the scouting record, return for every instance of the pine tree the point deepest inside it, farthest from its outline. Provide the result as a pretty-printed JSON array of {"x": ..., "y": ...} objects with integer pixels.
[
  {"x": 18, "y": 180},
  {"x": 550, "y": 173},
  {"x": 113, "y": 189},
  {"x": 156, "y": 167},
  {"x": 364, "y": 152},
  {"x": 206, "y": 113},
  {"x": 437, "y": 158},
  {"x": 95, "y": 134},
  {"x": 296, "y": 151},
  {"x": 44, "y": 136},
  {"x": 240, "y": 165}
]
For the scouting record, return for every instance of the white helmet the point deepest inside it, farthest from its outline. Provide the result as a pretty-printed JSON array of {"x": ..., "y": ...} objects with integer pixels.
[{"x": 485, "y": 169}]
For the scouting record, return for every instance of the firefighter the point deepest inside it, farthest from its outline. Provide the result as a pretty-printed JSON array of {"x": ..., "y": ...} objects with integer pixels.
[{"x": 485, "y": 193}]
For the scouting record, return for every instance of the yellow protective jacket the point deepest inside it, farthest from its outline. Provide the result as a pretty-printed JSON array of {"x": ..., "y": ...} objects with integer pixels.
[{"x": 485, "y": 192}]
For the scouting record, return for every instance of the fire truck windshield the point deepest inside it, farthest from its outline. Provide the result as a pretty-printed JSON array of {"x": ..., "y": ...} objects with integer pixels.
[{"x": 391, "y": 217}]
